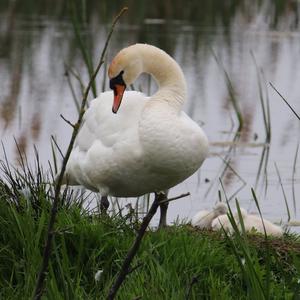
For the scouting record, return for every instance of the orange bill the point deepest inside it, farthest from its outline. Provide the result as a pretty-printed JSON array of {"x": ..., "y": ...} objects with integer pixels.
[{"x": 118, "y": 95}]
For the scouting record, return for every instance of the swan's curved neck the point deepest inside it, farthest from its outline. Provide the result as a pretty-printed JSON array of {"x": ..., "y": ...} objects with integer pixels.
[{"x": 168, "y": 75}]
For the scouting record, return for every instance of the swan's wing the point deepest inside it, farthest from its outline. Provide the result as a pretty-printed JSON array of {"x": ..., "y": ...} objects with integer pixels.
[
  {"x": 203, "y": 219},
  {"x": 104, "y": 137},
  {"x": 103, "y": 126}
]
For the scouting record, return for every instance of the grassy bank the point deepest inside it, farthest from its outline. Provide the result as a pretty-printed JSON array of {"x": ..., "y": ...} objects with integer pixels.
[{"x": 176, "y": 263}]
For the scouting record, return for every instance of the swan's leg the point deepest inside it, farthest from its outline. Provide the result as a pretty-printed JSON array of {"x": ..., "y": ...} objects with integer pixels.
[
  {"x": 163, "y": 211},
  {"x": 104, "y": 204},
  {"x": 163, "y": 214}
]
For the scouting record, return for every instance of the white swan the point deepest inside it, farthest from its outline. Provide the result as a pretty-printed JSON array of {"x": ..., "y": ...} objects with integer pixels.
[
  {"x": 148, "y": 144},
  {"x": 204, "y": 218},
  {"x": 252, "y": 223}
]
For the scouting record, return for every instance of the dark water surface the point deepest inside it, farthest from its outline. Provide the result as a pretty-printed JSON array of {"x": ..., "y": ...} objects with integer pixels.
[{"x": 38, "y": 45}]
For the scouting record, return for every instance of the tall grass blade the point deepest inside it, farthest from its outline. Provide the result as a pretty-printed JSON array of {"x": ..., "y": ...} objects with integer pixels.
[
  {"x": 283, "y": 192},
  {"x": 104, "y": 76},
  {"x": 54, "y": 159},
  {"x": 265, "y": 106},
  {"x": 293, "y": 178},
  {"x": 268, "y": 252},
  {"x": 264, "y": 103},
  {"x": 87, "y": 57},
  {"x": 232, "y": 96},
  {"x": 72, "y": 89},
  {"x": 286, "y": 102}
]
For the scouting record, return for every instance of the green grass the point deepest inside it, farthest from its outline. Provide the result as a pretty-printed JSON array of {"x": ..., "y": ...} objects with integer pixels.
[{"x": 176, "y": 263}]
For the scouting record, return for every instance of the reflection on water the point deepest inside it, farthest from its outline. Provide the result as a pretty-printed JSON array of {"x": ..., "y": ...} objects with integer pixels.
[{"x": 38, "y": 45}]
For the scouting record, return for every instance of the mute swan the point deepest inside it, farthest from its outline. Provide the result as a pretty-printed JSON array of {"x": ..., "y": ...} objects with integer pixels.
[
  {"x": 203, "y": 219},
  {"x": 148, "y": 144},
  {"x": 251, "y": 223}
]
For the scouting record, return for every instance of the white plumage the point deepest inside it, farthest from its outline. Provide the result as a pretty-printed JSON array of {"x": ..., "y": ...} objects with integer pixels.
[
  {"x": 204, "y": 218},
  {"x": 150, "y": 145},
  {"x": 252, "y": 223}
]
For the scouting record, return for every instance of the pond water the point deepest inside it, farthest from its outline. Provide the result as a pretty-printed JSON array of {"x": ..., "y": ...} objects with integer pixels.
[{"x": 254, "y": 43}]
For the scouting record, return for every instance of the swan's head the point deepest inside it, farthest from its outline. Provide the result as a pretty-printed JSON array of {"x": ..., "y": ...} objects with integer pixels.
[
  {"x": 123, "y": 71},
  {"x": 220, "y": 209}
]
